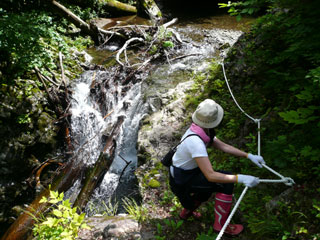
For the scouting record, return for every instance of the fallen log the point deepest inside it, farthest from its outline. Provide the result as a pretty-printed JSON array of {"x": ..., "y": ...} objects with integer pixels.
[
  {"x": 114, "y": 6},
  {"x": 88, "y": 29},
  {"x": 96, "y": 173},
  {"x": 72, "y": 17},
  {"x": 151, "y": 8},
  {"x": 21, "y": 228}
]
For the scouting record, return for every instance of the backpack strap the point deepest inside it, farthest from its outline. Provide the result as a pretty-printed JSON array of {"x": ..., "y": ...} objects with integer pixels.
[{"x": 185, "y": 139}]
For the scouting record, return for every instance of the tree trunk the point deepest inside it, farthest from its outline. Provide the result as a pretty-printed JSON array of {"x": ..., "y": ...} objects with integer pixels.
[
  {"x": 117, "y": 7},
  {"x": 151, "y": 8},
  {"x": 95, "y": 174},
  {"x": 85, "y": 27},
  {"x": 21, "y": 228}
]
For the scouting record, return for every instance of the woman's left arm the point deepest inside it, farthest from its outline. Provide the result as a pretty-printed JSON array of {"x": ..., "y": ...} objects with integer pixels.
[
  {"x": 256, "y": 159},
  {"x": 217, "y": 143}
]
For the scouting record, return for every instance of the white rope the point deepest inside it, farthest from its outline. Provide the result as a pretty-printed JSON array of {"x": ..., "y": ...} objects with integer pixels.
[
  {"x": 285, "y": 180},
  {"x": 273, "y": 171},
  {"x": 256, "y": 120},
  {"x": 225, "y": 77}
]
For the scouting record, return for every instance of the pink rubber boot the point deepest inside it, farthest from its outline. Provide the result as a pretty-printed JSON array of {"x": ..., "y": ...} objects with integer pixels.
[{"x": 222, "y": 209}]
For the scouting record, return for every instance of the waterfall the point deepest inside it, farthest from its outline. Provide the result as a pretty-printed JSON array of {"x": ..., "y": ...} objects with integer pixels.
[{"x": 89, "y": 126}]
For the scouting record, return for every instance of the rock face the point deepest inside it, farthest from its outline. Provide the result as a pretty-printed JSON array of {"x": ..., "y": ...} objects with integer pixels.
[
  {"x": 28, "y": 133},
  {"x": 166, "y": 123},
  {"x": 117, "y": 227}
]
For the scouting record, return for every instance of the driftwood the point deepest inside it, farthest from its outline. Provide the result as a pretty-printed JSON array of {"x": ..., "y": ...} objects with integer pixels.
[
  {"x": 88, "y": 29},
  {"x": 21, "y": 228},
  {"x": 114, "y": 6},
  {"x": 123, "y": 49},
  {"x": 96, "y": 173},
  {"x": 151, "y": 9},
  {"x": 97, "y": 33},
  {"x": 142, "y": 34},
  {"x": 72, "y": 17}
]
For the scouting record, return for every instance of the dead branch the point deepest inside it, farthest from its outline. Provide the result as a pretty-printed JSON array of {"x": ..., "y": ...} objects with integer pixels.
[
  {"x": 124, "y": 48},
  {"x": 184, "y": 56},
  {"x": 170, "y": 23},
  {"x": 62, "y": 72}
]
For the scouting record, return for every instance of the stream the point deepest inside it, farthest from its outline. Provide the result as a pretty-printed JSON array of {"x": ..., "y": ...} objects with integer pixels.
[{"x": 94, "y": 111}]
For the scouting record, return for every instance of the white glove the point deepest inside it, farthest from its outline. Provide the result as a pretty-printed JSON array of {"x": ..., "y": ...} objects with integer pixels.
[
  {"x": 249, "y": 181},
  {"x": 256, "y": 159}
]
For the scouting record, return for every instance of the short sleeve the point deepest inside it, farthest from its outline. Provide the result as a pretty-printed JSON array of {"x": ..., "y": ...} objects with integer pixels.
[{"x": 196, "y": 147}]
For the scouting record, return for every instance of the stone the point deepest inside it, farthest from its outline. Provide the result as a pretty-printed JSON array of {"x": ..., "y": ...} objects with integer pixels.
[{"x": 120, "y": 227}]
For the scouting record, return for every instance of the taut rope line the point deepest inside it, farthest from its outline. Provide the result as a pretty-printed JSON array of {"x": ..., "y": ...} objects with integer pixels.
[
  {"x": 286, "y": 180},
  {"x": 256, "y": 120}
]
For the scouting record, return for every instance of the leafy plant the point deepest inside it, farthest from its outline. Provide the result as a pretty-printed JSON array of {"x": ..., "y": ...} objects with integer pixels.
[
  {"x": 33, "y": 39},
  {"x": 62, "y": 222},
  {"x": 110, "y": 209},
  {"x": 210, "y": 235},
  {"x": 168, "y": 44},
  {"x": 247, "y": 7},
  {"x": 173, "y": 225},
  {"x": 139, "y": 213}
]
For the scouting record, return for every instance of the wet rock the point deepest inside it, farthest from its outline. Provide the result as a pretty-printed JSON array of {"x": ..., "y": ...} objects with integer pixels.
[
  {"x": 161, "y": 129},
  {"x": 283, "y": 197},
  {"x": 120, "y": 227}
]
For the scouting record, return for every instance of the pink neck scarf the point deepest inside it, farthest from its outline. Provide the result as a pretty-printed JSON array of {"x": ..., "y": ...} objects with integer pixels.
[{"x": 198, "y": 130}]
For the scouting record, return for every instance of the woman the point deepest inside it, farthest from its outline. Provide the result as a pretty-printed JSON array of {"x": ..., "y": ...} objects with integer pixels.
[{"x": 192, "y": 178}]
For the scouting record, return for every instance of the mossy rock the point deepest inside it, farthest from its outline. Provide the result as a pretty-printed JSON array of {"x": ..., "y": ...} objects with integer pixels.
[{"x": 154, "y": 183}]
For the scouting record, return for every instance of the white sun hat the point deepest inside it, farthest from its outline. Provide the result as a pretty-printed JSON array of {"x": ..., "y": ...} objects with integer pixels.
[{"x": 208, "y": 114}]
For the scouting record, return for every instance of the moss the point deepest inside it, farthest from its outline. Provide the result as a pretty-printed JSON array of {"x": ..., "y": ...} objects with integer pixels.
[{"x": 154, "y": 183}]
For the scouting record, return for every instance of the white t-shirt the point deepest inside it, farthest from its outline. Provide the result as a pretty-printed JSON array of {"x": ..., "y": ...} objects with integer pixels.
[{"x": 189, "y": 149}]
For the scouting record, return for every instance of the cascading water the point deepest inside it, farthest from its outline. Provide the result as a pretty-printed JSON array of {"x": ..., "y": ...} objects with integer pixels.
[{"x": 89, "y": 124}]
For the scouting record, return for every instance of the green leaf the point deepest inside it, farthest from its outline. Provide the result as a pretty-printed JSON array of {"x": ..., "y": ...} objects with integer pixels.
[
  {"x": 50, "y": 221},
  {"x": 57, "y": 213},
  {"x": 168, "y": 44},
  {"x": 43, "y": 200}
]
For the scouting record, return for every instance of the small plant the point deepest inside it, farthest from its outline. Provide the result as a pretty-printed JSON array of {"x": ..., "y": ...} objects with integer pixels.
[
  {"x": 173, "y": 225},
  {"x": 137, "y": 212},
  {"x": 159, "y": 232},
  {"x": 211, "y": 235},
  {"x": 176, "y": 205},
  {"x": 168, "y": 44},
  {"x": 62, "y": 221},
  {"x": 110, "y": 209}
]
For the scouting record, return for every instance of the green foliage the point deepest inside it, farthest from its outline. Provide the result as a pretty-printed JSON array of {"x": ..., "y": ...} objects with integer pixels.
[
  {"x": 110, "y": 208},
  {"x": 22, "y": 41},
  {"x": 62, "y": 222},
  {"x": 169, "y": 230},
  {"x": 159, "y": 232},
  {"x": 140, "y": 213},
  {"x": 248, "y": 7},
  {"x": 162, "y": 42},
  {"x": 168, "y": 44},
  {"x": 24, "y": 118},
  {"x": 32, "y": 39},
  {"x": 173, "y": 225},
  {"x": 210, "y": 235}
]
